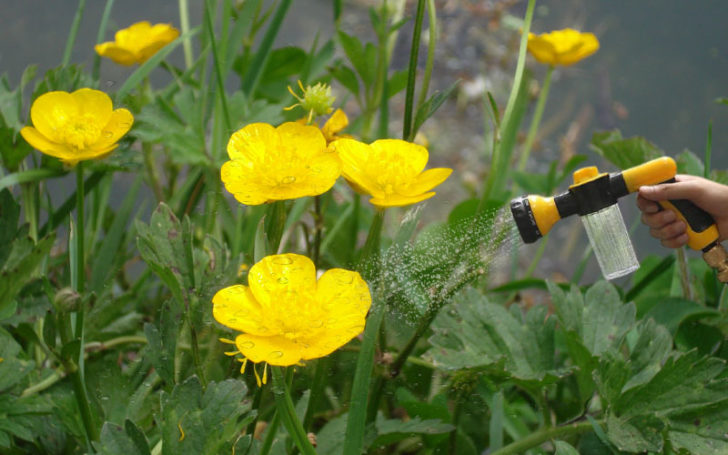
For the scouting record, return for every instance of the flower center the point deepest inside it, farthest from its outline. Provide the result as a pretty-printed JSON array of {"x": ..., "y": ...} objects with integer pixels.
[{"x": 80, "y": 133}]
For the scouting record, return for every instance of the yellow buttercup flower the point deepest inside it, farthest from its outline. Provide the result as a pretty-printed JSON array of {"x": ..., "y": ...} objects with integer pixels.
[
  {"x": 562, "y": 47},
  {"x": 272, "y": 164},
  {"x": 287, "y": 316},
  {"x": 76, "y": 126},
  {"x": 390, "y": 170},
  {"x": 138, "y": 42}
]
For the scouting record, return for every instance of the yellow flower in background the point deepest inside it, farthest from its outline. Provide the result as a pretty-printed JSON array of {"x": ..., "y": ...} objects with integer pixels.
[
  {"x": 390, "y": 170},
  {"x": 76, "y": 126},
  {"x": 334, "y": 125},
  {"x": 562, "y": 47},
  {"x": 138, "y": 42},
  {"x": 287, "y": 316},
  {"x": 272, "y": 164}
]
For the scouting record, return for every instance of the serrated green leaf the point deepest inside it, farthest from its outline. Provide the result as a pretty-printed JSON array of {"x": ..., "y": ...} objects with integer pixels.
[
  {"x": 9, "y": 215},
  {"x": 478, "y": 334},
  {"x": 605, "y": 318},
  {"x": 686, "y": 381},
  {"x": 390, "y": 431},
  {"x": 569, "y": 307},
  {"x": 636, "y": 434},
  {"x": 564, "y": 448},
  {"x": 20, "y": 265},
  {"x": 701, "y": 431},
  {"x": 624, "y": 153},
  {"x": 115, "y": 441},
  {"x": 207, "y": 420},
  {"x": 162, "y": 341}
]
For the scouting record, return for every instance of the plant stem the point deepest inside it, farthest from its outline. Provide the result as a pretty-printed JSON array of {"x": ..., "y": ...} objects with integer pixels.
[
  {"x": 287, "y": 412},
  {"x": 543, "y": 435},
  {"x": 270, "y": 435},
  {"x": 356, "y": 422},
  {"x": 184, "y": 22},
  {"x": 535, "y": 122},
  {"x": 431, "y": 45},
  {"x": 100, "y": 38},
  {"x": 152, "y": 171},
  {"x": 501, "y": 154},
  {"x": 318, "y": 226},
  {"x": 218, "y": 70},
  {"x": 74, "y": 31},
  {"x": 407, "y": 130}
]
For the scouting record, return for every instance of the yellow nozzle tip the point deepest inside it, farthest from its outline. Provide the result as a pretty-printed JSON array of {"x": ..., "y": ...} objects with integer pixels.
[{"x": 585, "y": 174}]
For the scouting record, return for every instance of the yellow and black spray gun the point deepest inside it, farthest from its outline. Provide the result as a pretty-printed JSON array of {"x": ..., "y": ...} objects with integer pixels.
[{"x": 593, "y": 197}]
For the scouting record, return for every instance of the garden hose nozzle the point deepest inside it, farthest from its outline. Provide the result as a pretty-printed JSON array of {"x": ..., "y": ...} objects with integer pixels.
[{"x": 594, "y": 195}]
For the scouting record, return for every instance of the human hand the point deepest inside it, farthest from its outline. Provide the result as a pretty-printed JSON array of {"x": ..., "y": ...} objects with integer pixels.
[{"x": 665, "y": 225}]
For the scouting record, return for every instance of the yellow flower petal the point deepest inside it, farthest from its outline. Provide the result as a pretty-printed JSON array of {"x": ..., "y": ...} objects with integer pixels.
[
  {"x": 275, "y": 350},
  {"x": 283, "y": 276},
  {"x": 236, "y": 307},
  {"x": 411, "y": 158},
  {"x": 390, "y": 170},
  {"x": 251, "y": 142},
  {"x": 37, "y": 140},
  {"x": 51, "y": 112},
  {"x": 271, "y": 164},
  {"x": 426, "y": 181},
  {"x": 396, "y": 200},
  {"x": 355, "y": 157},
  {"x": 337, "y": 122},
  {"x": 76, "y": 126},
  {"x": 119, "y": 124},
  {"x": 137, "y": 43},
  {"x": 287, "y": 315},
  {"x": 562, "y": 47}
]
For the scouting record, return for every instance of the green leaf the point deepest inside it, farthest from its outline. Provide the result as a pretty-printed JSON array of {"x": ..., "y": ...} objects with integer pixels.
[
  {"x": 478, "y": 334},
  {"x": 636, "y": 434},
  {"x": 432, "y": 104},
  {"x": 166, "y": 246},
  {"x": 671, "y": 312},
  {"x": 686, "y": 381},
  {"x": 116, "y": 440},
  {"x": 564, "y": 448},
  {"x": 347, "y": 78},
  {"x": 390, "y": 431},
  {"x": 354, "y": 50},
  {"x": 689, "y": 163},
  {"x": 31, "y": 175},
  {"x": 9, "y": 215},
  {"x": 624, "y": 153},
  {"x": 162, "y": 342},
  {"x": 605, "y": 318},
  {"x": 21, "y": 263},
  {"x": 209, "y": 421},
  {"x": 701, "y": 431}
]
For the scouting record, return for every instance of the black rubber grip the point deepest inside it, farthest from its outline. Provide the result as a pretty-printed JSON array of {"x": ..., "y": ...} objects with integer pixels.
[{"x": 698, "y": 219}]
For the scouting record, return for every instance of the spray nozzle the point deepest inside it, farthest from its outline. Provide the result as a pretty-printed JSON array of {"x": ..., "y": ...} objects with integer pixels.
[{"x": 593, "y": 196}]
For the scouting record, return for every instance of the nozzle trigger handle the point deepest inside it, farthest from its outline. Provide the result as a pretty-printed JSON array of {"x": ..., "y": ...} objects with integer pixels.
[{"x": 701, "y": 229}]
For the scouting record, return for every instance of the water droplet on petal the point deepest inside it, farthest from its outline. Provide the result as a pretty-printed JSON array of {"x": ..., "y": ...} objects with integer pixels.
[
  {"x": 316, "y": 323},
  {"x": 247, "y": 344},
  {"x": 331, "y": 321},
  {"x": 288, "y": 179},
  {"x": 345, "y": 278},
  {"x": 276, "y": 354},
  {"x": 108, "y": 134},
  {"x": 282, "y": 260},
  {"x": 125, "y": 124},
  {"x": 282, "y": 280}
]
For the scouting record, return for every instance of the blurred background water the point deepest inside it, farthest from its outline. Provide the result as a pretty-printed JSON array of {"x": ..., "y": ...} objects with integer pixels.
[{"x": 661, "y": 66}]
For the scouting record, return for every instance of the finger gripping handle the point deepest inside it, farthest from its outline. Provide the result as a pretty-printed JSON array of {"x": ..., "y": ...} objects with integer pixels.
[{"x": 701, "y": 229}]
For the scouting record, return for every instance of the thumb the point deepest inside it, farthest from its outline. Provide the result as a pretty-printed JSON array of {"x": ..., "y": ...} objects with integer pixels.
[{"x": 689, "y": 189}]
